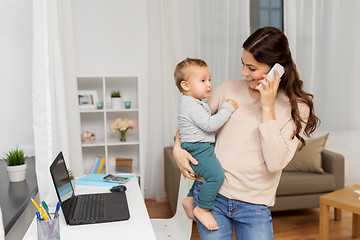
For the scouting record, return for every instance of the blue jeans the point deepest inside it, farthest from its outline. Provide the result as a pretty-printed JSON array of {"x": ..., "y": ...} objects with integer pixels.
[
  {"x": 249, "y": 221},
  {"x": 209, "y": 168}
]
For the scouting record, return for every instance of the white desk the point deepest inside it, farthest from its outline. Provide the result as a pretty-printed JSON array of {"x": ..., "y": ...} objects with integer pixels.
[{"x": 137, "y": 227}]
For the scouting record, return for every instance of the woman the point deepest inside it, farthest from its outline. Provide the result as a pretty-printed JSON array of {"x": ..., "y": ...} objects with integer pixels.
[{"x": 259, "y": 139}]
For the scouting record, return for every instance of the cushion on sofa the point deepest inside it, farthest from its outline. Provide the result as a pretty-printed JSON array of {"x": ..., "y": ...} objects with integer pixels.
[
  {"x": 309, "y": 158},
  {"x": 298, "y": 183}
]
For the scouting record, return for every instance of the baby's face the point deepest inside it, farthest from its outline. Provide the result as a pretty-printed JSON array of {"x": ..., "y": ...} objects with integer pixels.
[{"x": 198, "y": 82}]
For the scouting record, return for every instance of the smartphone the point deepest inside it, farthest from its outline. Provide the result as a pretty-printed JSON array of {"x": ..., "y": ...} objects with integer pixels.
[
  {"x": 271, "y": 73},
  {"x": 112, "y": 178}
]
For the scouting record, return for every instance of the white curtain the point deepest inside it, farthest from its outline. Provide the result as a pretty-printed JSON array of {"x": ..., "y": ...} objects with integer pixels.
[
  {"x": 223, "y": 26},
  {"x": 211, "y": 30},
  {"x": 324, "y": 36},
  {"x": 49, "y": 115}
]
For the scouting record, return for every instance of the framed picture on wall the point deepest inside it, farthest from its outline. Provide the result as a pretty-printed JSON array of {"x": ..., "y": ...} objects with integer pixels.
[{"x": 87, "y": 99}]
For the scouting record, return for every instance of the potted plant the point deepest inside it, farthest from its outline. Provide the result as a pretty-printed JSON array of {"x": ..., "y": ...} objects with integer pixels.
[
  {"x": 16, "y": 166},
  {"x": 116, "y": 99}
]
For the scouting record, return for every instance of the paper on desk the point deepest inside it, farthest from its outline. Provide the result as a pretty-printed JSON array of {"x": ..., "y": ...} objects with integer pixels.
[{"x": 97, "y": 180}]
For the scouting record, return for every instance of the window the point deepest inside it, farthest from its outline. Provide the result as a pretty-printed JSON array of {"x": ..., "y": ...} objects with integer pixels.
[{"x": 266, "y": 13}]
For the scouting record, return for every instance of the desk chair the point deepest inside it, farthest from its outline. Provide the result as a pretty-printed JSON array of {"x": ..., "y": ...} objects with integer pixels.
[{"x": 179, "y": 227}]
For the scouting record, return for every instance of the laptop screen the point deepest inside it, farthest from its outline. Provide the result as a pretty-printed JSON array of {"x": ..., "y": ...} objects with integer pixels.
[{"x": 62, "y": 183}]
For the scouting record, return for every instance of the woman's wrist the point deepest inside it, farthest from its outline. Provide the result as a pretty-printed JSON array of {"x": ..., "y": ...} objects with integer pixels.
[
  {"x": 268, "y": 113},
  {"x": 177, "y": 142},
  {"x": 176, "y": 146}
]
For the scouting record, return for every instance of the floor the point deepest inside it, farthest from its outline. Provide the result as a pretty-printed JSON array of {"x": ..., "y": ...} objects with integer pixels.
[{"x": 289, "y": 225}]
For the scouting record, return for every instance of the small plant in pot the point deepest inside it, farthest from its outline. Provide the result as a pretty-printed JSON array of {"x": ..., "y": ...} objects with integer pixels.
[
  {"x": 16, "y": 166},
  {"x": 115, "y": 94},
  {"x": 116, "y": 99}
]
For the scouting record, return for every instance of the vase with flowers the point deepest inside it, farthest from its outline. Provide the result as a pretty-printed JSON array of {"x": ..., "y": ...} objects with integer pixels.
[{"x": 122, "y": 125}]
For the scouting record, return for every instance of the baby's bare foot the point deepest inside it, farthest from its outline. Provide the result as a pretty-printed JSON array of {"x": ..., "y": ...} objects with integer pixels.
[
  {"x": 188, "y": 205},
  {"x": 206, "y": 218}
]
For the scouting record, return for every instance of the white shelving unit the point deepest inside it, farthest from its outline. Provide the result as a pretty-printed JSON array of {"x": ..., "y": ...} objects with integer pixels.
[{"x": 107, "y": 143}]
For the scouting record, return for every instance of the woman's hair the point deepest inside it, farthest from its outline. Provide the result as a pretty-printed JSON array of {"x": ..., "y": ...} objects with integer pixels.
[
  {"x": 269, "y": 45},
  {"x": 182, "y": 70}
]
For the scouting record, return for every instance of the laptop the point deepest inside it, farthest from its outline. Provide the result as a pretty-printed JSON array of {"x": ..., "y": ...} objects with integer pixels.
[{"x": 88, "y": 208}]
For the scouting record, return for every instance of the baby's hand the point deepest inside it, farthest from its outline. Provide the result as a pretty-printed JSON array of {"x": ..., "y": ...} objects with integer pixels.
[{"x": 232, "y": 102}]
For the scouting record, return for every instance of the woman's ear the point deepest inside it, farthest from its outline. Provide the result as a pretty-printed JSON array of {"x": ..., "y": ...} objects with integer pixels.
[{"x": 185, "y": 85}]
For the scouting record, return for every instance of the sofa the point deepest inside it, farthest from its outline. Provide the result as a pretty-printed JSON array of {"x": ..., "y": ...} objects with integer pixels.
[{"x": 296, "y": 190}]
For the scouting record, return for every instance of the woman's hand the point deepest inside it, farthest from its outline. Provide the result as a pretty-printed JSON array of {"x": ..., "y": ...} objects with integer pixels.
[
  {"x": 183, "y": 159},
  {"x": 268, "y": 95}
]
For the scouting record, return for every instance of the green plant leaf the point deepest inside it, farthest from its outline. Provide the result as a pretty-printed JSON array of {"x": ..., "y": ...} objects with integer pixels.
[
  {"x": 115, "y": 94},
  {"x": 15, "y": 157}
]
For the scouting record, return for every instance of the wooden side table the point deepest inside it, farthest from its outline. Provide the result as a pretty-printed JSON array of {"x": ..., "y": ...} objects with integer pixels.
[{"x": 343, "y": 199}]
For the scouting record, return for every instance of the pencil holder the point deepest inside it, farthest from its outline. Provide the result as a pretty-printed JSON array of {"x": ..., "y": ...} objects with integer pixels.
[{"x": 48, "y": 229}]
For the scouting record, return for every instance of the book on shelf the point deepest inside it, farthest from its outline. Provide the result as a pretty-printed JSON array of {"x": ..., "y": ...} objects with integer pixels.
[
  {"x": 101, "y": 165},
  {"x": 98, "y": 165},
  {"x": 95, "y": 165},
  {"x": 124, "y": 165}
]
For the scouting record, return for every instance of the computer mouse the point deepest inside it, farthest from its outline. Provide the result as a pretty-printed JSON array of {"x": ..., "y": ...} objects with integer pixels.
[{"x": 119, "y": 188}]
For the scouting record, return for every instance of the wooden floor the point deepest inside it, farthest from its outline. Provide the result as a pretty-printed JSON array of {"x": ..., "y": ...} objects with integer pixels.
[{"x": 289, "y": 225}]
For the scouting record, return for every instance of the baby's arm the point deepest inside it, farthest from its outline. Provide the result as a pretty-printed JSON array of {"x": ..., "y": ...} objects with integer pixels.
[
  {"x": 232, "y": 102},
  {"x": 211, "y": 123}
]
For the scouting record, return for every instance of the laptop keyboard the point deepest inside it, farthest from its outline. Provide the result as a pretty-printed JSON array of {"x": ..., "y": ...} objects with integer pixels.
[{"x": 92, "y": 207}]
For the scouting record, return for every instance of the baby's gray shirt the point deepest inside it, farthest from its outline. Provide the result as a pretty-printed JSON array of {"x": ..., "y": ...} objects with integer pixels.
[{"x": 195, "y": 122}]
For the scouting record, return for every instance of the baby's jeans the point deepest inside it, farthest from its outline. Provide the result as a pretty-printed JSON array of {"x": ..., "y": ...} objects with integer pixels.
[{"x": 209, "y": 168}]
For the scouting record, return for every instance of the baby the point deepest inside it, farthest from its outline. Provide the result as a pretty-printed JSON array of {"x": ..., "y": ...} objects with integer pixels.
[{"x": 197, "y": 133}]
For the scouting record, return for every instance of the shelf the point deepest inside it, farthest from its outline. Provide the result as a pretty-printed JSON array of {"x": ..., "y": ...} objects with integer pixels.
[
  {"x": 95, "y": 144},
  {"x": 98, "y": 121},
  {"x": 123, "y": 110},
  {"x": 91, "y": 110},
  {"x": 108, "y": 110},
  {"x": 123, "y": 143}
]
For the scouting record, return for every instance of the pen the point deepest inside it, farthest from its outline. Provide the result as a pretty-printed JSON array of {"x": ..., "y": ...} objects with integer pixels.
[
  {"x": 35, "y": 204},
  {"x": 43, "y": 214},
  {"x": 43, "y": 211},
  {"x": 57, "y": 210},
  {"x": 40, "y": 210},
  {"x": 38, "y": 216},
  {"x": 43, "y": 203}
]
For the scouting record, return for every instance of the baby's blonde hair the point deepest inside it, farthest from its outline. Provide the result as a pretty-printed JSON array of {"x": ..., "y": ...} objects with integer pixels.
[{"x": 181, "y": 70}]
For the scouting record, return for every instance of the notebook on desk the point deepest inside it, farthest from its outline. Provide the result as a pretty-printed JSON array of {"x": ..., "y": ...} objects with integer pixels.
[{"x": 88, "y": 208}]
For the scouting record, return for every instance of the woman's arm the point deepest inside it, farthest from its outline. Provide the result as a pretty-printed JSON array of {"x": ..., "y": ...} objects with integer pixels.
[
  {"x": 277, "y": 144},
  {"x": 277, "y": 141},
  {"x": 183, "y": 159},
  {"x": 268, "y": 95}
]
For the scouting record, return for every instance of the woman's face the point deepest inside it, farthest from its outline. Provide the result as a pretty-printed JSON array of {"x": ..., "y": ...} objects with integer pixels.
[{"x": 252, "y": 69}]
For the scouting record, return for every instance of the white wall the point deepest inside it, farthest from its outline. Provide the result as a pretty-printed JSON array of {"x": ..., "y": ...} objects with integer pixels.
[
  {"x": 111, "y": 36},
  {"x": 15, "y": 76},
  {"x": 346, "y": 142}
]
